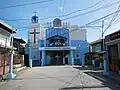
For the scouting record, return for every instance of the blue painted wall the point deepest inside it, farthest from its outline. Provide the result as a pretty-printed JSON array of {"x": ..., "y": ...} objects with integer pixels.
[
  {"x": 41, "y": 43},
  {"x": 82, "y": 48},
  {"x": 64, "y": 32}
]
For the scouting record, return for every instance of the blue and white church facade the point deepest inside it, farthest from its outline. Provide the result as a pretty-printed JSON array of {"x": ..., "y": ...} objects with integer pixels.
[{"x": 56, "y": 44}]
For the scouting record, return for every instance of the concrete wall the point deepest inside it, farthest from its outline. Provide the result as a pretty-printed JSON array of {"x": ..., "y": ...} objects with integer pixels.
[
  {"x": 77, "y": 34},
  {"x": 82, "y": 48}
]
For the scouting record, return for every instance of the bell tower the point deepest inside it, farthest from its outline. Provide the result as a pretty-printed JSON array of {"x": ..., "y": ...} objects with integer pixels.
[
  {"x": 34, "y": 18},
  {"x": 34, "y": 32}
]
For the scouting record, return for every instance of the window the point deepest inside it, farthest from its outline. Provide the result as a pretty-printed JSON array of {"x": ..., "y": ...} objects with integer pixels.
[{"x": 77, "y": 56}]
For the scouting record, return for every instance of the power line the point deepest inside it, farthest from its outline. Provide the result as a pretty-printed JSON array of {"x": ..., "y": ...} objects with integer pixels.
[
  {"x": 102, "y": 18},
  {"x": 84, "y": 8},
  {"x": 114, "y": 17},
  {"x": 26, "y": 4},
  {"x": 62, "y": 15},
  {"x": 112, "y": 20},
  {"x": 91, "y": 11}
]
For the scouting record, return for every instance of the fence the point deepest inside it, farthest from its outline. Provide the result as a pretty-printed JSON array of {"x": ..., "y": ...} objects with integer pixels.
[
  {"x": 4, "y": 63},
  {"x": 5, "y": 59},
  {"x": 18, "y": 59}
]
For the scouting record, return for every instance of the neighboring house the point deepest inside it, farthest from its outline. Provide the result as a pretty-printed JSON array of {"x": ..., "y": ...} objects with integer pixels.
[
  {"x": 5, "y": 47},
  {"x": 19, "y": 51},
  {"x": 112, "y": 42},
  {"x": 95, "y": 52}
]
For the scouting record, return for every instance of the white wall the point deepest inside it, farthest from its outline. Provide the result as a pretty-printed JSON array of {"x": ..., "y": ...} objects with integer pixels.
[
  {"x": 77, "y": 34},
  {"x": 31, "y": 36},
  {"x": 4, "y": 38}
]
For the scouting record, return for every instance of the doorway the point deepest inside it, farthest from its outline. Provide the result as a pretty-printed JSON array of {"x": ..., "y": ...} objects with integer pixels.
[
  {"x": 113, "y": 57},
  {"x": 57, "y": 57}
]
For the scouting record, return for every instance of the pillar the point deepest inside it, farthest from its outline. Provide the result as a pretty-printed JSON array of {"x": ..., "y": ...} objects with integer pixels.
[
  {"x": 106, "y": 63},
  {"x": 43, "y": 58},
  {"x": 30, "y": 58},
  {"x": 72, "y": 57},
  {"x": 83, "y": 61},
  {"x": 11, "y": 62},
  {"x": 63, "y": 60}
]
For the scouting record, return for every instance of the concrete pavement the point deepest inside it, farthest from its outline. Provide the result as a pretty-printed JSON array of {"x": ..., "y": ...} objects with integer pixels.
[{"x": 57, "y": 78}]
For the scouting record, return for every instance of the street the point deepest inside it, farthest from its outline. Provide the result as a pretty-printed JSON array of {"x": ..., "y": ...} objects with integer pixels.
[{"x": 57, "y": 78}]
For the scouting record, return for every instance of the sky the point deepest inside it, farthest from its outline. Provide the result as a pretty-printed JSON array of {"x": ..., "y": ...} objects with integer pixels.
[{"x": 56, "y": 8}]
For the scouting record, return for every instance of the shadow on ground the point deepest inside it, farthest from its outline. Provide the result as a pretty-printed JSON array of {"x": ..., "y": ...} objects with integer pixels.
[
  {"x": 78, "y": 87},
  {"x": 97, "y": 74}
]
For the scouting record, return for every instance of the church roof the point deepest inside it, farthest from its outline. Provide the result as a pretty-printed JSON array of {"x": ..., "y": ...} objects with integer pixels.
[{"x": 56, "y": 36}]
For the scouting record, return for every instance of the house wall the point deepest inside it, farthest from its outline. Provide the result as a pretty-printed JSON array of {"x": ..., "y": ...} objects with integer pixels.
[
  {"x": 4, "y": 37},
  {"x": 96, "y": 48}
]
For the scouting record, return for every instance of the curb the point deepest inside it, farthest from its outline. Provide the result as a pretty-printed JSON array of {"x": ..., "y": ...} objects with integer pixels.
[{"x": 19, "y": 69}]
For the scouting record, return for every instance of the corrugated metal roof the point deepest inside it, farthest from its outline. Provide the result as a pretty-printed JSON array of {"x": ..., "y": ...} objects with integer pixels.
[{"x": 6, "y": 27}]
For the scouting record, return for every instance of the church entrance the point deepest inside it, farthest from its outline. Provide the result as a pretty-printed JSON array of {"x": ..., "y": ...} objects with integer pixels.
[{"x": 58, "y": 57}]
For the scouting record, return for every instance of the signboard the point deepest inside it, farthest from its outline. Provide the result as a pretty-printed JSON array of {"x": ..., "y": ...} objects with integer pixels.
[
  {"x": 112, "y": 36},
  {"x": 115, "y": 35}
]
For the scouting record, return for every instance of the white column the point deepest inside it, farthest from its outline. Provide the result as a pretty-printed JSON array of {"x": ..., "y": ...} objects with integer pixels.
[
  {"x": 72, "y": 57},
  {"x": 43, "y": 58},
  {"x": 63, "y": 60},
  {"x": 30, "y": 60}
]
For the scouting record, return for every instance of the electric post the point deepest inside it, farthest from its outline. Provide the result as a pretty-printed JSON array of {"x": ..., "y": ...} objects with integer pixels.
[{"x": 11, "y": 75}]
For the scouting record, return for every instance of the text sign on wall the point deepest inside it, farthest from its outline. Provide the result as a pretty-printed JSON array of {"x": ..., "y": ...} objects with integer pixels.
[{"x": 113, "y": 36}]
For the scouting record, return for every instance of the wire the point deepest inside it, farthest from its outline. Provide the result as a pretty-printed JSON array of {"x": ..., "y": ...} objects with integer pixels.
[
  {"x": 112, "y": 20},
  {"x": 102, "y": 18},
  {"x": 62, "y": 15},
  {"x": 114, "y": 17},
  {"x": 26, "y": 4},
  {"x": 84, "y": 8},
  {"x": 116, "y": 20},
  {"x": 91, "y": 11}
]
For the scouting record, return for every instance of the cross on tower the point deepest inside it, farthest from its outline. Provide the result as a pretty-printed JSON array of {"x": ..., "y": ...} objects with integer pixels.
[
  {"x": 34, "y": 33},
  {"x": 35, "y": 13}
]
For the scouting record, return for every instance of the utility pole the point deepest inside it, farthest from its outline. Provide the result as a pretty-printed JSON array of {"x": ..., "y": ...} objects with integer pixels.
[
  {"x": 11, "y": 75},
  {"x": 102, "y": 36}
]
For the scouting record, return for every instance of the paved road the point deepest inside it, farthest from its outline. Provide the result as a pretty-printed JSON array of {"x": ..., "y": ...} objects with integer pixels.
[{"x": 58, "y": 78}]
